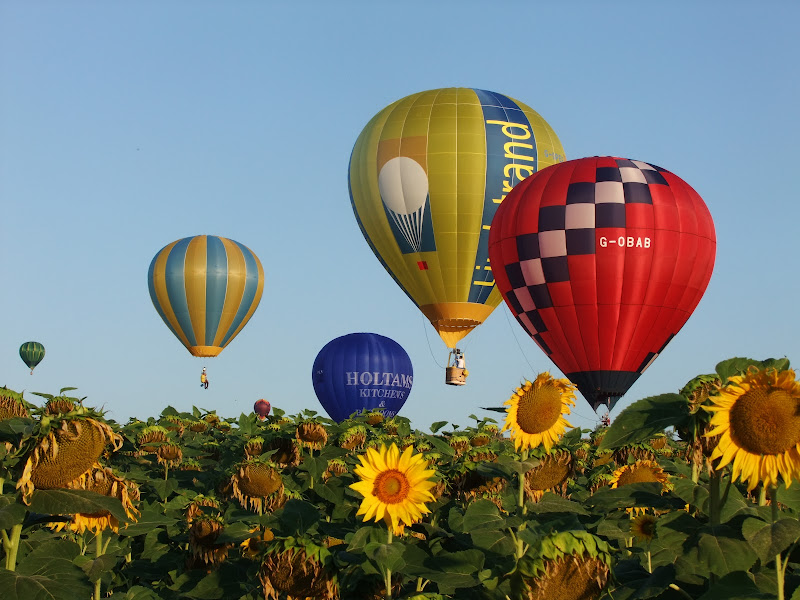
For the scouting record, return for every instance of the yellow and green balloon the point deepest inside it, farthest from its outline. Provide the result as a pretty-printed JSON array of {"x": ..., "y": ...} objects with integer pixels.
[{"x": 426, "y": 176}]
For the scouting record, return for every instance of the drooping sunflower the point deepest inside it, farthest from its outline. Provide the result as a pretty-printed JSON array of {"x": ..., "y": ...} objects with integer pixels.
[
  {"x": 299, "y": 572},
  {"x": 535, "y": 413},
  {"x": 102, "y": 480},
  {"x": 65, "y": 453},
  {"x": 203, "y": 534},
  {"x": 312, "y": 435},
  {"x": 150, "y": 437},
  {"x": 258, "y": 486},
  {"x": 569, "y": 565},
  {"x": 551, "y": 474},
  {"x": 169, "y": 454},
  {"x": 757, "y": 418},
  {"x": 201, "y": 504},
  {"x": 395, "y": 486},
  {"x": 353, "y": 437}
]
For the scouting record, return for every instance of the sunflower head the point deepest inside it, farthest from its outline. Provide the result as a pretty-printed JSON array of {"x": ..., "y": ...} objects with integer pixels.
[
  {"x": 566, "y": 565},
  {"x": 353, "y": 437},
  {"x": 459, "y": 443},
  {"x": 298, "y": 571},
  {"x": 286, "y": 451},
  {"x": 643, "y": 527},
  {"x": 11, "y": 404},
  {"x": 336, "y": 467},
  {"x": 150, "y": 437},
  {"x": 536, "y": 410},
  {"x": 482, "y": 438},
  {"x": 70, "y": 448},
  {"x": 59, "y": 405},
  {"x": 553, "y": 473},
  {"x": 201, "y": 504},
  {"x": 757, "y": 420},
  {"x": 169, "y": 454},
  {"x": 639, "y": 472},
  {"x": 102, "y": 480},
  {"x": 312, "y": 435},
  {"x": 203, "y": 534},
  {"x": 198, "y": 426},
  {"x": 253, "y": 546},
  {"x": 374, "y": 417},
  {"x": 258, "y": 486},
  {"x": 212, "y": 420},
  {"x": 254, "y": 447},
  {"x": 395, "y": 486}
]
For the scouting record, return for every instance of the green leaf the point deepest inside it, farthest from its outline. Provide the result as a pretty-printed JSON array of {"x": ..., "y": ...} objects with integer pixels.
[
  {"x": 645, "y": 418},
  {"x": 454, "y": 570},
  {"x": 553, "y": 503},
  {"x": 208, "y": 588},
  {"x": 386, "y": 556},
  {"x": 739, "y": 366},
  {"x": 721, "y": 552},
  {"x": 297, "y": 516},
  {"x": 734, "y": 504},
  {"x": 47, "y": 573},
  {"x": 770, "y": 539},
  {"x": 493, "y": 540},
  {"x": 11, "y": 512},
  {"x": 164, "y": 487},
  {"x": 12, "y": 429},
  {"x": 150, "y": 519},
  {"x": 482, "y": 514},
  {"x": 691, "y": 493},
  {"x": 315, "y": 466},
  {"x": 95, "y": 568},
  {"x": 138, "y": 592},
  {"x": 645, "y": 494},
  {"x": 70, "y": 502},
  {"x": 737, "y": 585}
]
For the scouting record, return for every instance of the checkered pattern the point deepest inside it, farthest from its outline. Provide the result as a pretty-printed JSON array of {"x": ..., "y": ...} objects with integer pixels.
[{"x": 569, "y": 229}]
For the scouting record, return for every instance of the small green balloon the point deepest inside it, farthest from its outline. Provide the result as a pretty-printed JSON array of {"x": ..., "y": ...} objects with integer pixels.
[{"x": 31, "y": 354}]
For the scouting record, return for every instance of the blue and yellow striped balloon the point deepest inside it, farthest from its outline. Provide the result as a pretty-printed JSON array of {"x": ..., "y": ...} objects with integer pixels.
[
  {"x": 426, "y": 177},
  {"x": 205, "y": 288}
]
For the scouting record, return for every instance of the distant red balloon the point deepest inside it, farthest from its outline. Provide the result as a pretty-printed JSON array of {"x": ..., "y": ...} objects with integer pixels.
[
  {"x": 261, "y": 408},
  {"x": 602, "y": 260}
]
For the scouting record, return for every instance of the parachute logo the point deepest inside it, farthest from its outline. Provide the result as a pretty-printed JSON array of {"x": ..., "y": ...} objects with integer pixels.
[{"x": 403, "y": 185}]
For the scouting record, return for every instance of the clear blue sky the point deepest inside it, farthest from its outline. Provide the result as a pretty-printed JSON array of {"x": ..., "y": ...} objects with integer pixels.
[{"x": 125, "y": 126}]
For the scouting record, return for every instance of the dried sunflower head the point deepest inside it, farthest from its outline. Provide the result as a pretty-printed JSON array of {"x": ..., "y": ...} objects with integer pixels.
[
  {"x": 203, "y": 534},
  {"x": 302, "y": 570},
  {"x": 258, "y": 486},
  {"x": 312, "y": 435},
  {"x": 68, "y": 450}
]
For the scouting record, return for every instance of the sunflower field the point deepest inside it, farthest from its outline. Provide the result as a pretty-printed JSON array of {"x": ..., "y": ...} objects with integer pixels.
[{"x": 691, "y": 494}]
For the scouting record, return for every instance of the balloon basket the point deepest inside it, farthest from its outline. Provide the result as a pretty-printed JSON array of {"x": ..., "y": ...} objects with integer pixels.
[{"x": 455, "y": 376}]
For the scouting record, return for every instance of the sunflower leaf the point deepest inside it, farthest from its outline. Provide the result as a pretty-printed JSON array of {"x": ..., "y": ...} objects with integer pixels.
[
  {"x": 645, "y": 418},
  {"x": 437, "y": 426},
  {"x": 770, "y": 539},
  {"x": 11, "y": 512},
  {"x": 736, "y": 585},
  {"x": 70, "y": 502},
  {"x": 720, "y": 551},
  {"x": 739, "y": 366},
  {"x": 645, "y": 494},
  {"x": 553, "y": 503},
  {"x": 297, "y": 517},
  {"x": 386, "y": 556},
  {"x": 482, "y": 514}
]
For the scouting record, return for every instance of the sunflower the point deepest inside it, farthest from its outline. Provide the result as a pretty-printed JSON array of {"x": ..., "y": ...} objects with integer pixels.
[
  {"x": 311, "y": 434},
  {"x": 756, "y": 416},
  {"x": 353, "y": 437},
  {"x": 11, "y": 405},
  {"x": 395, "y": 486},
  {"x": 535, "y": 413},
  {"x": 169, "y": 454},
  {"x": 643, "y": 527},
  {"x": 101, "y": 480},
  {"x": 299, "y": 572},
  {"x": 198, "y": 505},
  {"x": 150, "y": 437},
  {"x": 68, "y": 451},
  {"x": 639, "y": 472},
  {"x": 203, "y": 534},
  {"x": 258, "y": 486},
  {"x": 569, "y": 565},
  {"x": 551, "y": 474},
  {"x": 254, "y": 447},
  {"x": 59, "y": 405}
]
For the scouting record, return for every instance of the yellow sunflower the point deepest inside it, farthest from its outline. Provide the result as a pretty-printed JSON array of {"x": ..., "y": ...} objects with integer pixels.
[
  {"x": 757, "y": 418},
  {"x": 535, "y": 413},
  {"x": 395, "y": 486}
]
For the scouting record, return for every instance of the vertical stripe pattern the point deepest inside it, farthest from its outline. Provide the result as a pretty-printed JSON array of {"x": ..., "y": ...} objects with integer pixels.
[{"x": 205, "y": 288}]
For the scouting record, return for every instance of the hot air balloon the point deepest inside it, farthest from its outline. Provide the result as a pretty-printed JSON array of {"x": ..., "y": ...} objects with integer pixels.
[
  {"x": 261, "y": 408},
  {"x": 602, "y": 260},
  {"x": 360, "y": 372},
  {"x": 426, "y": 176},
  {"x": 205, "y": 288},
  {"x": 31, "y": 354}
]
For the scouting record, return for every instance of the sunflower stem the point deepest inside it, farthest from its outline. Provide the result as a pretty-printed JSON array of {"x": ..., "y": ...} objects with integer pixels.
[
  {"x": 98, "y": 545},
  {"x": 780, "y": 569},
  {"x": 649, "y": 562},
  {"x": 11, "y": 546},
  {"x": 387, "y": 575},
  {"x": 714, "y": 506}
]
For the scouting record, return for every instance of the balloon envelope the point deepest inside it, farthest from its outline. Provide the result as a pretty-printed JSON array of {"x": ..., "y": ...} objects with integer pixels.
[
  {"x": 602, "y": 260},
  {"x": 261, "y": 408},
  {"x": 205, "y": 288},
  {"x": 361, "y": 372},
  {"x": 31, "y": 354},
  {"x": 426, "y": 176}
]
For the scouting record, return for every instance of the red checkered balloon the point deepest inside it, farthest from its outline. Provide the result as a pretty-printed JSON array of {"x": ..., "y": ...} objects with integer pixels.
[{"x": 602, "y": 260}]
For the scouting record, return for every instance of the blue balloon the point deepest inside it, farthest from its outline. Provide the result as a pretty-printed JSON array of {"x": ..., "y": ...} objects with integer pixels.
[{"x": 360, "y": 372}]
